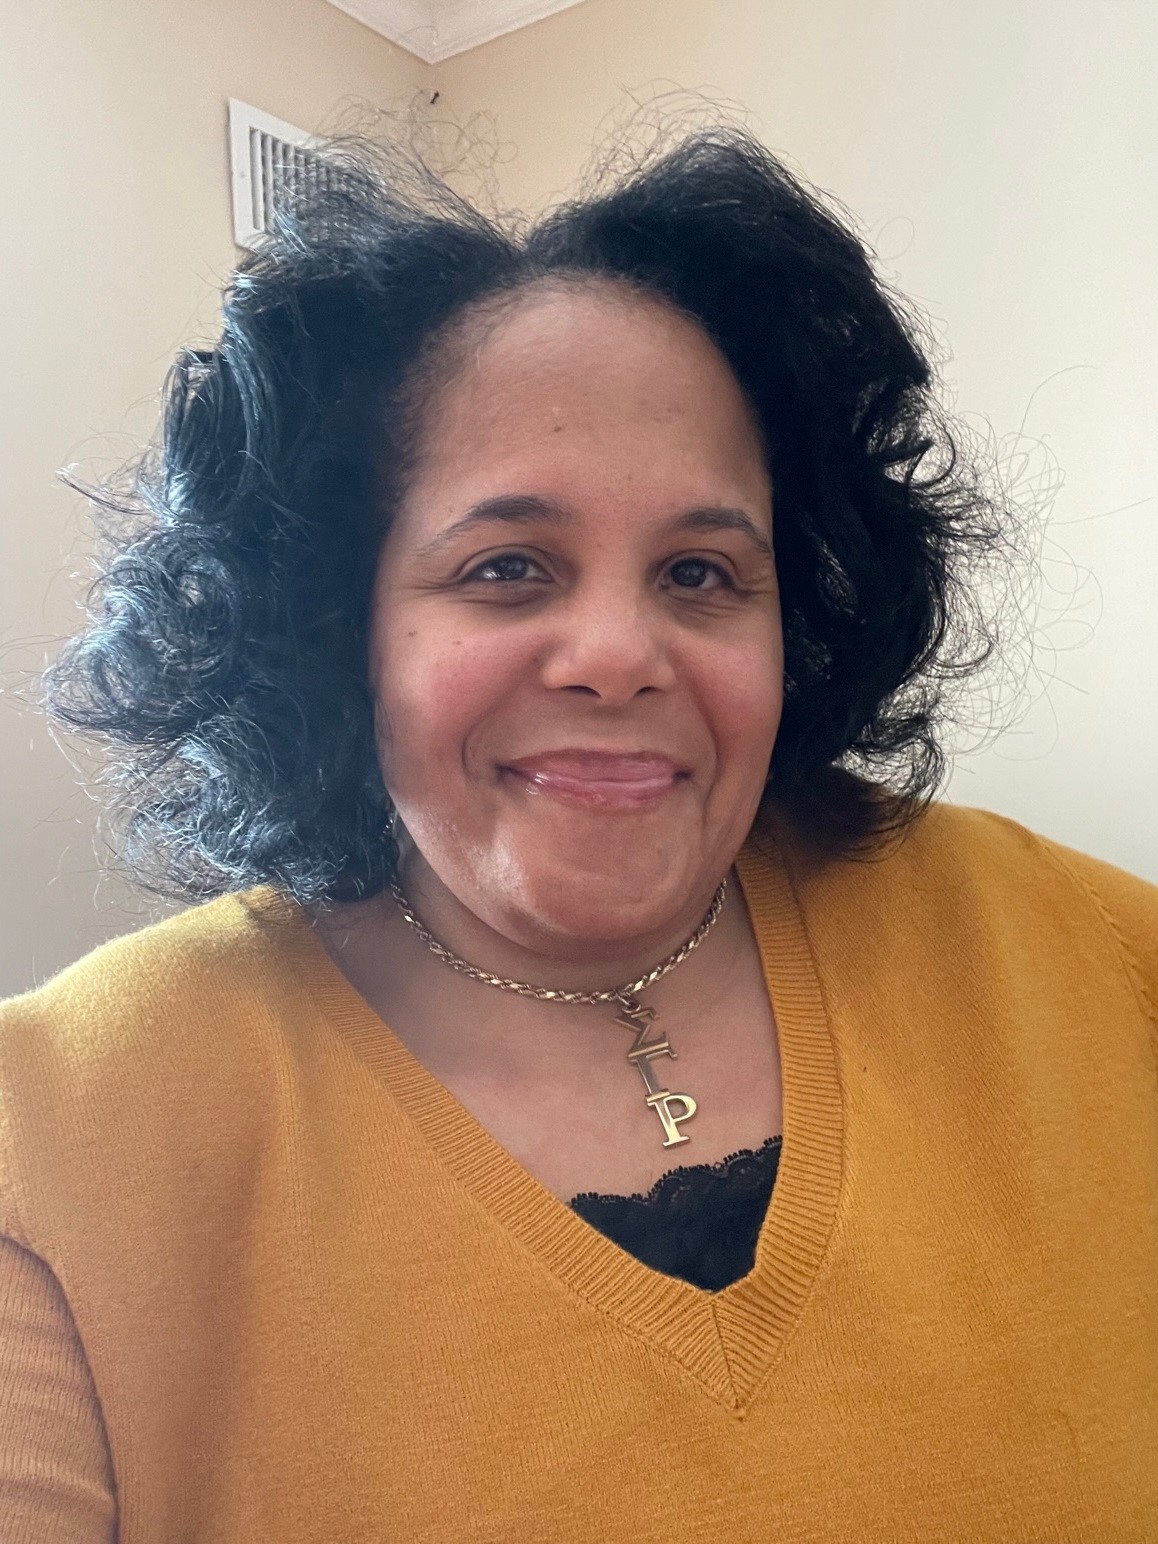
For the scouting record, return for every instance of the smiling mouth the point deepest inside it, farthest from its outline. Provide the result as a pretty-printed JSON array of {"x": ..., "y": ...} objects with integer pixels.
[{"x": 600, "y": 779}]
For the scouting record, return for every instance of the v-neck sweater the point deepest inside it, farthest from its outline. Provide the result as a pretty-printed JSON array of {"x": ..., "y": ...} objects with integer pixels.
[{"x": 263, "y": 1277}]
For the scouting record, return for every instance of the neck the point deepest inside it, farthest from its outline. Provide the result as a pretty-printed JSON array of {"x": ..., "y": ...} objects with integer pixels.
[
  {"x": 542, "y": 958},
  {"x": 455, "y": 1025}
]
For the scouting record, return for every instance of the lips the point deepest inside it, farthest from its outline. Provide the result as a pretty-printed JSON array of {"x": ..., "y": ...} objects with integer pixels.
[{"x": 600, "y": 779}]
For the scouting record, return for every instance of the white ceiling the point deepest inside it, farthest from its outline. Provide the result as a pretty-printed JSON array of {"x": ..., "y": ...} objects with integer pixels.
[{"x": 436, "y": 29}]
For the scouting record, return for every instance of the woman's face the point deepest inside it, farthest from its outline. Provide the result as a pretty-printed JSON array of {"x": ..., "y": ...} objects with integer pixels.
[{"x": 576, "y": 642}]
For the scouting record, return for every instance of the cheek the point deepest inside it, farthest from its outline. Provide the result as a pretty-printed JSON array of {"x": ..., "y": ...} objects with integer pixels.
[
  {"x": 741, "y": 692},
  {"x": 434, "y": 686}
]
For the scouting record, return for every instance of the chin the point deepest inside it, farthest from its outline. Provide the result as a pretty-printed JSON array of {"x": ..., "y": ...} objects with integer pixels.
[{"x": 576, "y": 906}]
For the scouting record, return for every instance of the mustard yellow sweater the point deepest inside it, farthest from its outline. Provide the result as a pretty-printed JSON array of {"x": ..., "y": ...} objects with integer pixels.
[{"x": 264, "y": 1281}]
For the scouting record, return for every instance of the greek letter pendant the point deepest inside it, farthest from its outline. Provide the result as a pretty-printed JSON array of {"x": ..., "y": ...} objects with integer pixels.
[{"x": 638, "y": 1019}]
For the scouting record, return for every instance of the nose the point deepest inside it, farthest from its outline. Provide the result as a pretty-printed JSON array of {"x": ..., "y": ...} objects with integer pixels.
[{"x": 610, "y": 644}]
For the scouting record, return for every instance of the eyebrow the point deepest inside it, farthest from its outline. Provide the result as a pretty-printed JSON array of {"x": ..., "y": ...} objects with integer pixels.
[
  {"x": 528, "y": 508},
  {"x": 513, "y": 508},
  {"x": 713, "y": 518}
]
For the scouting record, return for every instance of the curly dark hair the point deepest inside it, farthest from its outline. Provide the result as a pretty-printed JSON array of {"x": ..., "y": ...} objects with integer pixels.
[{"x": 224, "y": 665}]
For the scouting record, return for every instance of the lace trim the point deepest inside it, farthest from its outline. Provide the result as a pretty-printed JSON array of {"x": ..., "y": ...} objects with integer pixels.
[
  {"x": 672, "y": 1185},
  {"x": 698, "y": 1221}
]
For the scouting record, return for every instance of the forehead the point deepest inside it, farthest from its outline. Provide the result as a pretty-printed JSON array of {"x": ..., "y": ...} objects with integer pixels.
[{"x": 578, "y": 377}]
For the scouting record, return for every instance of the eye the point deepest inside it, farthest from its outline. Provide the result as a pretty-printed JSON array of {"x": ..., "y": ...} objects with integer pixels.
[
  {"x": 698, "y": 574},
  {"x": 508, "y": 568}
]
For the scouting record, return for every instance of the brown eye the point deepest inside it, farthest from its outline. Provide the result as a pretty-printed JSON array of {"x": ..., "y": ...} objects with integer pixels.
[
  {"x": 696, "y": 574},
  {"x": 508, "y": 567}
]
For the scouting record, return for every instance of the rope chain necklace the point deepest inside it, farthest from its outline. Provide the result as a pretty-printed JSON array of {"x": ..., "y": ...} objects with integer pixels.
[{"x": 632, "y": 1015}]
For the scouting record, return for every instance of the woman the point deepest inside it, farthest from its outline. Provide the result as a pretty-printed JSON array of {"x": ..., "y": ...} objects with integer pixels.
[{"x": 583, "y": 1107}]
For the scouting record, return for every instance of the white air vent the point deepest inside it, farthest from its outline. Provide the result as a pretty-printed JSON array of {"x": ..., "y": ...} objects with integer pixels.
[
  {"x": 439, "y": 29},
  {"x": 271, "y": 161}
]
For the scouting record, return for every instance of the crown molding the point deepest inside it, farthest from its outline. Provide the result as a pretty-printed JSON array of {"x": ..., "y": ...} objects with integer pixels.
[{"x": 435, "y": 30}]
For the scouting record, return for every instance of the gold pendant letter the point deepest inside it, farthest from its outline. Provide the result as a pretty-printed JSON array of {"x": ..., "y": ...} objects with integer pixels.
[
  {"x": 638, "y": 1019},
  {"x": 659, "y": 1103}
]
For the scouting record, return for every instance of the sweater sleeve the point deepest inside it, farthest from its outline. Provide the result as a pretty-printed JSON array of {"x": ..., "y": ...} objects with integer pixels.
[{"x": 56, "y": 1478}]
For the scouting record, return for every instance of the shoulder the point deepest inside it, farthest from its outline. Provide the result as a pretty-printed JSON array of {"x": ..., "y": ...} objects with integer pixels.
[
  {"x": 162, "y": 971},
  {"x": 151, "y": 1031},
  {"x": 963, "y": 872},
  {"x": 961, "y": 843},
  {"x": 1005, "y": 849},
  {"x": 1114, "y": 904}
]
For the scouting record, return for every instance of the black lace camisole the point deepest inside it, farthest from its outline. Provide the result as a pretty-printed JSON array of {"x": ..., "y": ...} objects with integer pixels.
[{"x": 699, "y": 1222}]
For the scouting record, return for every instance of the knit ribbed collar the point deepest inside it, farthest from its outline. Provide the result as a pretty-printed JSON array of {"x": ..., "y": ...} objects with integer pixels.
[{"x": 730, "y": 1340}]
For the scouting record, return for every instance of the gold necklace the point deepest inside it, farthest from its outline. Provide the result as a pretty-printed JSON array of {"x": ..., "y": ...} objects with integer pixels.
[{"x": 633, "y": 1015}]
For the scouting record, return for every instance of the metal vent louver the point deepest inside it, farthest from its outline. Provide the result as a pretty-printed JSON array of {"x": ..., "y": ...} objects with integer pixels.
[{"x": 271, "y": 162}]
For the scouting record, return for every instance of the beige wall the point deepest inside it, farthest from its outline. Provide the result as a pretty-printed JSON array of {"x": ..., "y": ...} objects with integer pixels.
[
  {"x": 116, "y": 232},
  {"x": 1003, "y": 159}
]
